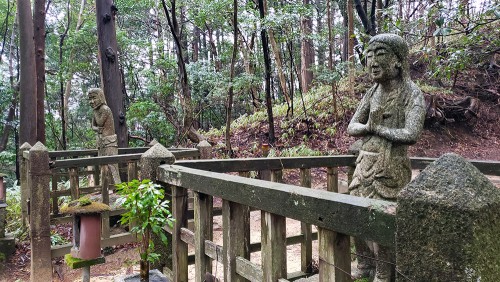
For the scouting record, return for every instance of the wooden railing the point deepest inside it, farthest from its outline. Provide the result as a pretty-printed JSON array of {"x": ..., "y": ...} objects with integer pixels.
[
  {"x": 337, "y": 216},
  {"x": 73, "y": 166}
]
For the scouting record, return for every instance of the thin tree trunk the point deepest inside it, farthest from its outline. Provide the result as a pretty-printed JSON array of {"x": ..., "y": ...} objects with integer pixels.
[
  {"x": 186, "y": 102},
  {"x": 67, "y": 89},
  {"x": 267, "y": 68},
  {"x": 230, "y": 93},
  {"x": 331, "y": 43},
  {"x": 350, "y": 48},
  {"x": 110, "y": 73},
  {"x": 4, "y": 139},
  {"x": 39, "y": 32},
  {"x": 279, "y": 67},
  {"x": 6, "y": 21},
  {"x": 27, "y": 90},
  {"x": 306, "y": 51}
]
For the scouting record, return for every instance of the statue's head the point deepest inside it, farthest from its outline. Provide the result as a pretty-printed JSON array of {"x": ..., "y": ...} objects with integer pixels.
[
  {"x": 387, "y": 57},
  {"x": 96, "y": 97}
]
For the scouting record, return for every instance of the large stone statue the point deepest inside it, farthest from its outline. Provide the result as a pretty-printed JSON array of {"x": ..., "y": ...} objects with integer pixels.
[
  {"x": 103, "y": 125},
  {"x": 390, "y": 117}
]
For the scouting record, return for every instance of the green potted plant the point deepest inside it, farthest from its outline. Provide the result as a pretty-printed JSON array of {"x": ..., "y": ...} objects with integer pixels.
[{"x": 148, "y": 213}]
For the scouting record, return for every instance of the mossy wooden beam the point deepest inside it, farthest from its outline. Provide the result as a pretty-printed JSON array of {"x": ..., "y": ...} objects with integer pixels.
[{"x": 368, "y": 218}]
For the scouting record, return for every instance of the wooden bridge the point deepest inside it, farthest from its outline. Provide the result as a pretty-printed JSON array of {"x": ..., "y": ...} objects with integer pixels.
[{"x": 337, "y": 216}]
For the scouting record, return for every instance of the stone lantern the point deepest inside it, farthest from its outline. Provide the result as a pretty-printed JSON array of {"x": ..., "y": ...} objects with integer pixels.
[{"x": 86, "y": 227}]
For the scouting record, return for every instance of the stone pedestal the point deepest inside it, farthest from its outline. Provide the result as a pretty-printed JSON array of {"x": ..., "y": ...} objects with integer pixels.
[{"x": 448, "y": 224}]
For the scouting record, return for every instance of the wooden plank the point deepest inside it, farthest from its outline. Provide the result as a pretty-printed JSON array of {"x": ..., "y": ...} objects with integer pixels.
[
  {"x": 486, "y": 167},
  {"x": 236, "y": 237},
  {"x": 214, "y": 251},
  {"x": 273, "y": 237},
  {"x": 248, "y": 270},
  {"x": 180, "y": 248},
  {"x": 74, "y": 183},
  {"x": 105, "y": 160},
  {"x": 55, "y": 202},
  {"x": 187, "y": 236},
  {"x": 374, "y": 221},
  {"x": 203, "y": 231},
  {"x": 113, "y": 240},
  {"x": 106, "y": 180},
  {"x": 334, "y": 248},
  {"x": 256, "y": 164},
  {"x": 306, "y": 229}
]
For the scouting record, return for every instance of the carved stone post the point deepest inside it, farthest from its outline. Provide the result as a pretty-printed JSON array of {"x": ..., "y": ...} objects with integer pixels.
[
  {"x": 41, "y": 262},
  {"x": 23, "y": 168},
  {"x": 448, "y": 221},
  {"x": 150, "y": 161},
  {"x": 205, "y": 150}
]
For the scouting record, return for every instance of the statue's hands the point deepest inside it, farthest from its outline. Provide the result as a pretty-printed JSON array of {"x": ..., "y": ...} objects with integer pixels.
[
  {"x": 100, "y": 129},
  {"x": 375, "y": 120}
]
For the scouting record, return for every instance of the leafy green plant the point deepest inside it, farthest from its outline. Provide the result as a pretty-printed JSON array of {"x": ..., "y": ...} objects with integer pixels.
[
  {"x": 14, "y": 221},
  {"x": 148, "y": 212}
]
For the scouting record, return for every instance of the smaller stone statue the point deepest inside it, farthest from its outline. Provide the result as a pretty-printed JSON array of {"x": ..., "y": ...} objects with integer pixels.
[
  {"x": 389, "y": 118},
  {"x": 103, "y": 125}
]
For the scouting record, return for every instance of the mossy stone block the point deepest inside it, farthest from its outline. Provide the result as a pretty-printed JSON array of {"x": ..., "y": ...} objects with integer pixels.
[{"x": 448, "y": 223}]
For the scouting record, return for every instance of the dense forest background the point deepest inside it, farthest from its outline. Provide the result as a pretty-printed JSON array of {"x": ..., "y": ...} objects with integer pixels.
[{"x": 185, "y": 67}]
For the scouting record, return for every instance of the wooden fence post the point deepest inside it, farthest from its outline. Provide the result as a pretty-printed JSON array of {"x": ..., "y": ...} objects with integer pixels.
[
  {"x": 74, "y": 183},
  {"x": 150, "y": 161},
  {"x": 236, "y": 237},
  {"x": 273, "y": 237},
  {"x": 180, "y": 248},
  {"x": 41, "y": 261},
  {"x": 306, "y": 244},
  {"x": 203, "y": 218},
  {"x": 25, "y": 192},
  {"x": 334, "y": 248}
]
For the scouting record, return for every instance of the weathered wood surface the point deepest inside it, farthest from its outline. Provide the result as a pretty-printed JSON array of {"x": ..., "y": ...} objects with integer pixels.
[
  {"x": 306, "y": 229},
  {"x": 256, "y": 164},
  {"x": 113, "y": 240},
  {"x": 374, "y": 220},
  {"x": 236, "y": 237},
  {"x": 249, "y": 270},
  {"x": 121, "y": 151},
  {"x": 334, "y": 248},
  {"x": 180, "y": 248},
  {"x": 203, "y": 227}
]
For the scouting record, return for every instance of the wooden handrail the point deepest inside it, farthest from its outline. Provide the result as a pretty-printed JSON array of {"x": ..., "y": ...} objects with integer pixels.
[
  {"x": 235, "y": 165},
  {"x": 374, "y": 220}
]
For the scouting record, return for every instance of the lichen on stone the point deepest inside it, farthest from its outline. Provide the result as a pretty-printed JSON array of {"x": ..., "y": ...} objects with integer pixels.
[{"x": 84, "y": 205}]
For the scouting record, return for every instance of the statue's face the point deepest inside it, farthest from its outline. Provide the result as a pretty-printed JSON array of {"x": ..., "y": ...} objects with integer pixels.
[
  {"x": 94, "y": 100},
  {"x": 383, "y": 64}
]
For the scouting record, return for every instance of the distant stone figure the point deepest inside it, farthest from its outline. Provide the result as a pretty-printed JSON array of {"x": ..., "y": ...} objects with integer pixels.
[
  {"x": 103, "y": 125},
  {"x": 390, "y": 117}
]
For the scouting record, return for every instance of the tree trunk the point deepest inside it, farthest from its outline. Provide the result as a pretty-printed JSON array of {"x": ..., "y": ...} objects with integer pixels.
[
  {"x": 27, "y": 90},
  {"x": 39, "y": 37},
  {"x": 186, "y": 102},
  {"x": 267, "y": 68},
  {"x": 67, "y": 89},
  {"x": 279, "y": 68},
  {"x": 350, "y": 48},
  {"x": 331, "y": 44},
  {"x": 306, "y": 51},
  {"x": 230, "y": 93},
  {"x": 110, "y": 73}
]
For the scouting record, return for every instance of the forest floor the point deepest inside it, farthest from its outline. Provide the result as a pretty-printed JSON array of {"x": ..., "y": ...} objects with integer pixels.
[{"x": 474, "y": 138}]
